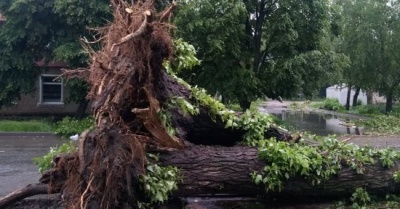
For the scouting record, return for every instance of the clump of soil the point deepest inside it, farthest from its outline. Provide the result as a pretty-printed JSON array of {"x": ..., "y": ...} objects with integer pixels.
[
  {"x": 52, "y": 202},
  {"x": 105, "y": 171}
]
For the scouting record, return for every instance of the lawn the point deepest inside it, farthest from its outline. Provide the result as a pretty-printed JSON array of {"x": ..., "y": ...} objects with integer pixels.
[{"x": 26, "y": 126}]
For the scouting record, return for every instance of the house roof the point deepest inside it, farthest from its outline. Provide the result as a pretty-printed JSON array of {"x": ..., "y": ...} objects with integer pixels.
[
  {"x": 42, "y": 63},
  {"x": 2, "y": 19}
]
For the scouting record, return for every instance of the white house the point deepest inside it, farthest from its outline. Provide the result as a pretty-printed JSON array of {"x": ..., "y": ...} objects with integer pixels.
[{"x": 340, "y": 93}]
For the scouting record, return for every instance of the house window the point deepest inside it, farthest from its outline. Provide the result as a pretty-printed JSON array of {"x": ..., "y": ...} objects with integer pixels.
[{"x": 51, "y": 90}]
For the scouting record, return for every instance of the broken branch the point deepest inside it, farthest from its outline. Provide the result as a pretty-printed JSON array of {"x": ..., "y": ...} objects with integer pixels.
[{"x": 134, "y": 34}]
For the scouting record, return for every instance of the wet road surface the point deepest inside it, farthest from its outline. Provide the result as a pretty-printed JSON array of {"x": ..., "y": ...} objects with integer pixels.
[{"x": 16, "y": 158}]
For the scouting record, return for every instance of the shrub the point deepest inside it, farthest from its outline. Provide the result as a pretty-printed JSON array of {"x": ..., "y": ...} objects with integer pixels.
[
  {"x": 295, "y": 105},
  {"x": 70, "y": 126},
  {"x": 360, "y": 198},
  {"x": 384, "y": 124},
  {"x": 368, "y": 109},
  {"x": 46, "y": 162},
  {"x": 332, "y": 104}
]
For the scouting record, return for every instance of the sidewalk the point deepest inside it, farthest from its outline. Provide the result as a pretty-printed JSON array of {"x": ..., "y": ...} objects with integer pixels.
[{"x": 17, "y": 151}]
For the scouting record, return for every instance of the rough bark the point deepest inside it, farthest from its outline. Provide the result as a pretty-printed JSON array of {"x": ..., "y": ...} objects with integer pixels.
[
  {"x": 20, "y": 194},
  {"x": 212, "y": 171},
  {"x": 225, "y": 171},
  {"x": 215, "y": 170},
  {"x": 389, "y": 102},
  {"x": 129, "y": 89},
  {"x": 80, "y": 111},
  {"x": 370, "y": 97},
  {"x": 355, "y": 97},
  {"x": 348, "y": 97}
]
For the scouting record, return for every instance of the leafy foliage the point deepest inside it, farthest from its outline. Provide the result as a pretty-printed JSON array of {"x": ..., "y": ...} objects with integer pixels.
[
  {"x": 270, "y": 45},
  {"x": 314, "y": 163},
  {"x": 220, "y": 43},
  {"x": 254, "y": 123},
  {"x": 328, "y": 104},
  {"x": 69, "y": 126},
  {"x": 396, "y": 176},
  {"x": 368, "y": 109},
  {"x": 157, "y": 183},
  {"x": 388, "y": 124},
  {"x": 287, "y": 161},
  {"x": 332, "y": 104},
  {"x": 360, "y": 198},
  {"x": 370, "y": 33},
  {"x": 43, "y": 30},
  {"x": 184, "y": 105},
  {"x": 46, "y": 162},
  {"x": 184, "y": 57},
  {"x": 165, "y": 117}
]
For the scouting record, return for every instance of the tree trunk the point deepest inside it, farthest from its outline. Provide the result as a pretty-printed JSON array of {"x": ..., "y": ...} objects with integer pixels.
[
  {"x": 370, "y": 98},
  {"x": 355, "y": 97},
  {"x": 131, "y": 96},
  {"x": 225, "y": 171},
  {"x": 244, "y": 104},
  {"x": 348, "y": 97},
  {"x": 81, "y": 110},
  {"x": 389, "y": 102},
  {"x": 212, "y": 171},
  {"x": 29, "y": 190}
]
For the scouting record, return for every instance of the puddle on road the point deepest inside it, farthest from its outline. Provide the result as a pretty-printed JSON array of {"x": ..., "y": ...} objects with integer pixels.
[{"x": 319, "y": 123}]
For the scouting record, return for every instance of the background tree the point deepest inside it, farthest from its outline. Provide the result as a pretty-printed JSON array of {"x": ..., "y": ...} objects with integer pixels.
[
  {"x": 370, "y": 33},
  {"x": 259, "y": 48},
  {"x": 355, "y": 76},
  {"x": 49, "y": 30},
  {"x": 219, "y": 33}
]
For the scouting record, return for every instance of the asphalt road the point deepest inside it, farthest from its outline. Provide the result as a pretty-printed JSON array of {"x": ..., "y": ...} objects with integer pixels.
[{"x": 16, "y": 153}]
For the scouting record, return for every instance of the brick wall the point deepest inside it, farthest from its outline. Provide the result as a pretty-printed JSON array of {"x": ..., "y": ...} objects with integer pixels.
[{"x": 29, "y": 104}]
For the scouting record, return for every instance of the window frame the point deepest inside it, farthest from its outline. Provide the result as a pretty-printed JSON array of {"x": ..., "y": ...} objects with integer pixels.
[{"x": 41, "y": 83}]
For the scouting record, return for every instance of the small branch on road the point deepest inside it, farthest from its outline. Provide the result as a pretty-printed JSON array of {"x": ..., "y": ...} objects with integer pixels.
[{"x": 20, "y": 194}]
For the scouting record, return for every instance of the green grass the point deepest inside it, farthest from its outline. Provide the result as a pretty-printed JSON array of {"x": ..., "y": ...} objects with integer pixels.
[
  {"x": 364, "y": 110},
  {"x": 375, "y": 110},
  {"x": 253, "y": 107},
  {"x": 382, "y": 124},
  {"x": 379, "y": 122},
  {"x": 316, "y": 104},
  {"x": 26, "y": 126},
  {"x": 69, "y": 126},
  {"x": 255, "y": 104}
]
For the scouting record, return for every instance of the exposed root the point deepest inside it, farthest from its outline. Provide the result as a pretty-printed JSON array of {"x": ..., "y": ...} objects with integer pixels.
[
  {"x": 129, "y": 87},
  {"x": 84, "y": 40},
  {"x": 105, "y": 171},
  {"x": 168, "y": 12},
  {"x": 82, "y": 73},
  {"x": 83, "y": 202},
  {"x": 20, "y": 194},
  {"x": 138, "y": 32}
]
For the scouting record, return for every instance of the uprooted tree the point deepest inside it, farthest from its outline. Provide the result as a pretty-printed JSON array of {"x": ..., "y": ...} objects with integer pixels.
[{"x": 141, "y": 107}]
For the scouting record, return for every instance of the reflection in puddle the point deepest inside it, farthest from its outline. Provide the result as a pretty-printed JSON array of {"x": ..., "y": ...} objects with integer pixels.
[{"x": 319, "y": 123}]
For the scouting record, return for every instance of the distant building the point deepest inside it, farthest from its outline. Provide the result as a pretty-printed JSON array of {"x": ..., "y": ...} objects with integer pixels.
[
  {"x": 50, "y": 96},
  {"x": 2, "y": 18},
  {"x": 340, "y": 92}
]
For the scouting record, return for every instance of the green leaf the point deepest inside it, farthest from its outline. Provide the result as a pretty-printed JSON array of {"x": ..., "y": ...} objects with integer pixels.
[{"x": 258, "y": 179}]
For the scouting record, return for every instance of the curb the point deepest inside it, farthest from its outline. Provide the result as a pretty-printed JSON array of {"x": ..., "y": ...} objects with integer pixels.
[{"x": 26, "y": 134}]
